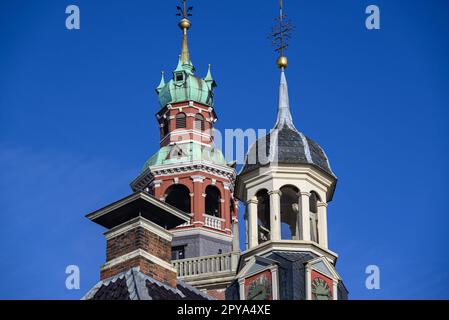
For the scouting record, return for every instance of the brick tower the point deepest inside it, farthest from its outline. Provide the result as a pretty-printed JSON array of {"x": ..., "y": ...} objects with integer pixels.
[{"x": 188, "y": 172}]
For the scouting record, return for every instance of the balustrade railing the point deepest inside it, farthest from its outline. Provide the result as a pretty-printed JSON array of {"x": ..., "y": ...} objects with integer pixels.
[
  {"x": 212, "y": 222},
  {"x": 221, "y": 263}
]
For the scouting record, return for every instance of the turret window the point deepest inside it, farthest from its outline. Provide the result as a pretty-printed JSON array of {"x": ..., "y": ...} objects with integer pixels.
[
  {"x": 263, "y": 215},
  {"x": 180, "y": 121},
  {"x": 179, "y": 77},
  {"x": 199, "y": 122},
  {"x": 290, "y": 208},
  {"x": 179, "y": 197},
  {"x": 165, "y": 128},
  {"x": 213, "y": 201}
]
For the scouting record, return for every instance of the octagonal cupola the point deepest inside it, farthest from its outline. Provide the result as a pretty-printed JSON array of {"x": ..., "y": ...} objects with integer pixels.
[{"x": 286, "y": 180}]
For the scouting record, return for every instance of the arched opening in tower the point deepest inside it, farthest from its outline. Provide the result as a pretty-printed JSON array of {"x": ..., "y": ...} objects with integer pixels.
[
  {"x": 290, "y": 205},
  {"x": 213, "y": 201},
  {"x": 263, "y": 215},
  {"x": 179, "y": 196},
  {"x": 199, "y": 122},
  {"x": 181, "y": 121}
]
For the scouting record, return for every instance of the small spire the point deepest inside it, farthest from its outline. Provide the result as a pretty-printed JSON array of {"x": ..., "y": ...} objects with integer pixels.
[
  {"x": 209, "y": 79},
  {"x": 179, "y": 67},
  {"x": 162, "y": 83},
  {"x": 185, "y": 55},
  {"x": 209, "y": 74},
  {"x": 284, "y": 115}
]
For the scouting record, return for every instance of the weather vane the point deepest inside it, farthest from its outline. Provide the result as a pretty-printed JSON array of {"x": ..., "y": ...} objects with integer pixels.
[
  {"x": 184, "y": 11},
  {"x": 280, "y": 35}
]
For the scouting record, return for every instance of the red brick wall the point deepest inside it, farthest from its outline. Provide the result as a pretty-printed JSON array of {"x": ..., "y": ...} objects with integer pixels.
[
  {"x": 187, "y": 109},
  {"x": 218, "y": 294},
  {"x": 147, "y": 267},
  {"x": 197, "y": 201},
  {"x": 138, "y": 238}
]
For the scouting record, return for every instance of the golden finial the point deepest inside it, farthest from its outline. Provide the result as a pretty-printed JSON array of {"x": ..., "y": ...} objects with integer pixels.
[
  {"x": 184, "y": 24},
  {"x": 280, "y": 35},
  {"x": 184, "y": 12}
]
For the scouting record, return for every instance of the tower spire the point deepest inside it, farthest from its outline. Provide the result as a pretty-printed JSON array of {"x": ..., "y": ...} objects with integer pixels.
[
  {"x": 284, "y": 116},
  {"x": 184, "y": 24},
  {"x": 280, "y": 35}
]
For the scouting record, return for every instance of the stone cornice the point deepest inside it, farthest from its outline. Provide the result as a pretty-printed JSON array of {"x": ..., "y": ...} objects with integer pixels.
[
  {"x": 135, "y": 223},
  {"x": 275, "y": 192},
  {"x": 138, "y": 253},
  {"x": 148, "y": 176}
]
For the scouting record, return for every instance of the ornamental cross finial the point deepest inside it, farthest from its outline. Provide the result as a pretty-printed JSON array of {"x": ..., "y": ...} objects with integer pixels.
[
  {"x": 280, "y": 35},
  {"x": 184, "y": 11}
]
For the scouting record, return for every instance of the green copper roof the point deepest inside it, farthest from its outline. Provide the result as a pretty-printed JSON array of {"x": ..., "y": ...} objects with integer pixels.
[
  {"x": 185, "y": 86},
  {"x": 185, "y": 153}
]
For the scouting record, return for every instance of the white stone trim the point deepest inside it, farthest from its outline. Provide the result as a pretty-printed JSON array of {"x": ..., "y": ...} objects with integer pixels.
[
  {"x": 218, "y": 218},
  {"x": 194, "y": 166},
  {"x": 335, "y": 289},
  {"x": 308, "y": 281},
  {"x": 198, "y": 179},
  {"x": 291, "y": 245},
  {"x": 135, "y": 223},
  {"x": 157, "y": 183},
  {"x": 242, "y": 275},
  {"x": 140, "y": 195},
  {"x": 201, "y": 231},
  {"x": 188, "y": 141},
  {"x": 331, "y": 267},
  {"x": 274, "y": 177},
  {"x": 275, "y": 282},
  {"x": 242, "y": 289},
  {"x": 138, "y": 253}
]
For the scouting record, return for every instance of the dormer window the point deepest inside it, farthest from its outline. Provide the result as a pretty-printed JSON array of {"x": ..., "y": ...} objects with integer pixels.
[{"x": 179, "y": 77}]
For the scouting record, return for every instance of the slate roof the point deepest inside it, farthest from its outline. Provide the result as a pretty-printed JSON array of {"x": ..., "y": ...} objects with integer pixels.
[
  {"x": 292, "y": 276},
  {"x": 134, "y": 285},
  {"x": 285, "y": 144}
]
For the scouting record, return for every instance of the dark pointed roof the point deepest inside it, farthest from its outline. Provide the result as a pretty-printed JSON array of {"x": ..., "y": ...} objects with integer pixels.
[
  {"x": 134, "y": 285},
  {"x": 285, "y": 144}
]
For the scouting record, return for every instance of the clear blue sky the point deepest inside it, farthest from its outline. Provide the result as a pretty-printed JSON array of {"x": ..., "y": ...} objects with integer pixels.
[{"x": 77, "y": 123}]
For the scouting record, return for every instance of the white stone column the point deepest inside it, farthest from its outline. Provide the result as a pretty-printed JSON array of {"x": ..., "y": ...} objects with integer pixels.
[
  {"x": 335, "y": 289},
  {"x": 242, "y": 289},
  {"x": 235, "y": 236},
  {"x": 275, "y": 283},
  {"x": 305, "y": 216},
  {"x": 275, "y": 215},
  {"x": 246, "y": 229},
  {"x": 308, "y": 283},
  {"x": 253, "y": 240},
  {"x": 322, "y": 224}
]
